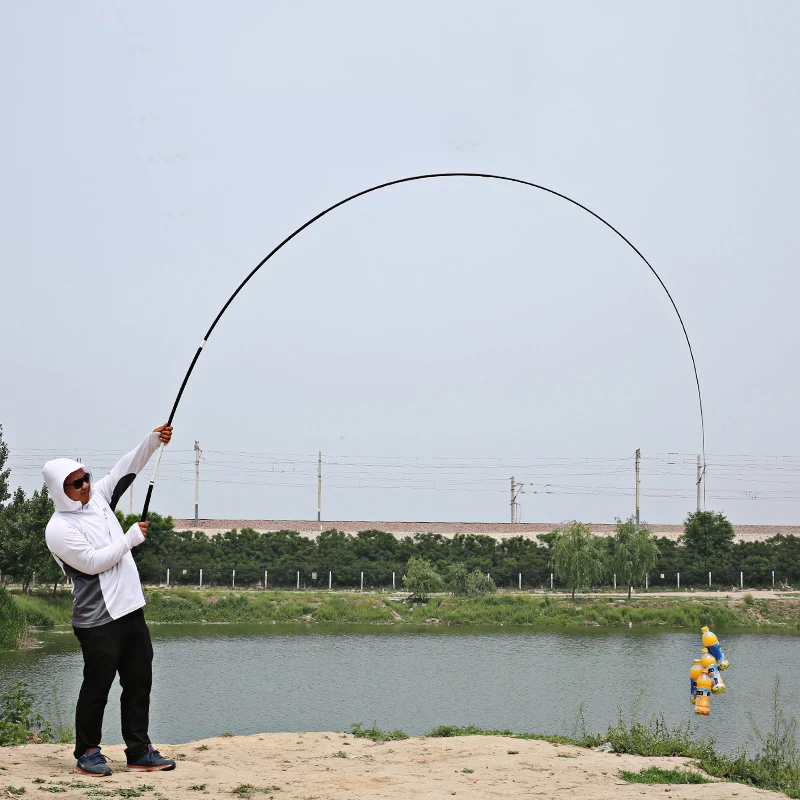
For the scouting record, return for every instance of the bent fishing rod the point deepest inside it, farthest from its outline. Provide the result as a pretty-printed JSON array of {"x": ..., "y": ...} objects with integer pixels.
[{"x": 386, "y": 186}]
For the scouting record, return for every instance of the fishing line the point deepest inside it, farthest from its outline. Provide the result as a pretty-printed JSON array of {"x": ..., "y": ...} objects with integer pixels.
[{"x": 396, "y": 183}]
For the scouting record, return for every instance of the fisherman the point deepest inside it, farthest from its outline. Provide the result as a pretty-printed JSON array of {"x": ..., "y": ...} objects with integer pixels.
[{"x": 87, "y": 541}]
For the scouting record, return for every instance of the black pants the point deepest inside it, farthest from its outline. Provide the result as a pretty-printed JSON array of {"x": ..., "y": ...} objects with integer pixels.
[{"x": 122, "y": 646}]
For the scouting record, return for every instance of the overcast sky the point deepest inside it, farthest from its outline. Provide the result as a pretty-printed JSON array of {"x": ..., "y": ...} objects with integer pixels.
[{"x": 431, "y": 339}]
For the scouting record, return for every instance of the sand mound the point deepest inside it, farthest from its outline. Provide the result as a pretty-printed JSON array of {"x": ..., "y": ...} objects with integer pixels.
[{"x": 328, "y": 766}]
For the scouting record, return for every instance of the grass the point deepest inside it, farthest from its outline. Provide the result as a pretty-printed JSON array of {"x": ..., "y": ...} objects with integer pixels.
[
  {"x": 184, "y": 605},
  {"x": 653, "y": 775},
  {"x": 42, "y": 610},
  {"x": 375, "y": 733}
]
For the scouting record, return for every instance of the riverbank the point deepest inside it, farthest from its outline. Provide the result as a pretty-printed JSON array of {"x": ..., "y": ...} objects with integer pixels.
[
  {"x": 300, "y": 766},
  {"x": 758, "y": 611}
]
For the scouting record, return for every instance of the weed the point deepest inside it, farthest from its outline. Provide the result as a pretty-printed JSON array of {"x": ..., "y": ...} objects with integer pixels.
[
  {"x": 656, "y": 737},
  {"x": 202, "y": 747},
  {"x": 749, "y": 600},
  {"x": 19, "y": 721},
  {"x": 375, "y": 733},
  {"x": 468, "y": 771},
  {"x": 467, "y": 730},
  {"x": 129, "y": 792},
  {"x": 657, "y": 775},
  {"x": 341, "y": 754},
  {"x": 227, "y": 733},
  {"x": 52, "y": 789},
  {"x": 566, "y": 755},
  {"x": 198, "y": 787},
  {"x": 100, "y": 793},
  {"x": 39, "y": 780},
  {"x": 12, "y": 790},
  {"x": 246, "y": 790},
  {"x": 62, "y": 728}
]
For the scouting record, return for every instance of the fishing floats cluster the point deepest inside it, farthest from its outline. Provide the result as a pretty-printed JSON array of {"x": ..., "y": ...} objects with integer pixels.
[{"x": 704, "y": 674}]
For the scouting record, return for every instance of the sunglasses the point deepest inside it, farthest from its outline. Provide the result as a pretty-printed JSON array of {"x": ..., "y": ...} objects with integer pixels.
[{"x": 78, "y": 482}]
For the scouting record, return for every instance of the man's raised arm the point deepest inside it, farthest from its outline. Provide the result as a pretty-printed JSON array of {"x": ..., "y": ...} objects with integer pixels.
[{"x": 114, "y": 485}]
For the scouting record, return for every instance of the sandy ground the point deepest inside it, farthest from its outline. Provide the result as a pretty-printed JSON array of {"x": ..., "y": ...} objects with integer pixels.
[{"x": 329, "y": 766}]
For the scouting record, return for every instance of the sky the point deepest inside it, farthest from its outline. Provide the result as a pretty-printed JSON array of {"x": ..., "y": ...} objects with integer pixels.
[{"x": 431, "y": 339}]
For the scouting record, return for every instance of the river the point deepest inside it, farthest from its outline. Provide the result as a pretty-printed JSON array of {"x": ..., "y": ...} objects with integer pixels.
[{"x": 210, "y": 679}]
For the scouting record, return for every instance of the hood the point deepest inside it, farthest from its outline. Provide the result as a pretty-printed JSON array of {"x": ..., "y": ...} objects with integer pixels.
[{"x": 55, "y": 472}]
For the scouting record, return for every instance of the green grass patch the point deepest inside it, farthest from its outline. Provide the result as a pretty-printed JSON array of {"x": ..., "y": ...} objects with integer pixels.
[
  {"x": 43, "y": 610},
  {"x": 657, "y": 775},
  {"x": 375, "y": 733},
  {"x": 186, "y": 605},
  {"x": 12, "y": 623}
]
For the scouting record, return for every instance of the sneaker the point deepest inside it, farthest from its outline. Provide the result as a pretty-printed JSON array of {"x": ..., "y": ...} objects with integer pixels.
[
  {"x": 151, "y": 761},
  {"x": 93, "y": 762}
]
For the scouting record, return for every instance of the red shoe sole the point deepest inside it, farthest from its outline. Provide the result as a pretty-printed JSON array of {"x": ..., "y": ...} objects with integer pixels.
[
  {"x": 80, "y": 771},
  {"x": 129, "y": 768}
]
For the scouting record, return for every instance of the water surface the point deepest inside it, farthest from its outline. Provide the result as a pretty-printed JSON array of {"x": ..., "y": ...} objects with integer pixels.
[{"x": 263, "y": 678}]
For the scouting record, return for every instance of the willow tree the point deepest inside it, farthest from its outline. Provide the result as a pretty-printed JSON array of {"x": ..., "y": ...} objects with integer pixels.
[
  {"x": 578, "y": 557},
  {"x": 635, "y": 553}
]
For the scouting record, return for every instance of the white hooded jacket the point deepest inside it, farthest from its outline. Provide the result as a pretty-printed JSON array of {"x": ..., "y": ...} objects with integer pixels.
[{"x": 88, "y": 542}]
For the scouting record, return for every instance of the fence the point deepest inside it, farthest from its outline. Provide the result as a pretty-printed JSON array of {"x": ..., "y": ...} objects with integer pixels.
[{"x": 376, "y": 578}]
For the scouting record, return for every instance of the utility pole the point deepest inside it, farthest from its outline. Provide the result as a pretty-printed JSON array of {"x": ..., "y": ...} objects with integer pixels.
[
  {"x": 516, "y": 488},
  {"x": 196, "y": 481},
  {"x": 699, "y": 481},
  {"x": 638, "y": 459},
  {"x": 319, "y": 490}
]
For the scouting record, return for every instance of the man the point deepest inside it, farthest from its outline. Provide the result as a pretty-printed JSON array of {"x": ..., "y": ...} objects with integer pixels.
[{"x": 87, "y": 541}]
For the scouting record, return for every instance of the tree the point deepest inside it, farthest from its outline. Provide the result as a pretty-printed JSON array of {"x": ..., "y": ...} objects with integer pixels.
[
  {"x": 422, "y": 578},
  {"x": 4, "y": 473},
  {"x": 479, "y": 583},
  {"x": 578, "y": 557},
  {"x": 635, "y": 553},
  {"x": 456, "y": 578},
  {"x": 707, "y": 537},
  {"x": 23, "y": 549}
]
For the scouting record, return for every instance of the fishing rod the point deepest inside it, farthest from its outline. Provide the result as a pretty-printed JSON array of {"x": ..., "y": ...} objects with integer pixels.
[{"x": 396, "y": 183}]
